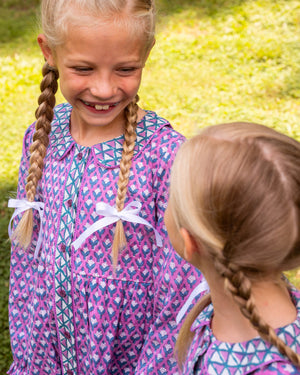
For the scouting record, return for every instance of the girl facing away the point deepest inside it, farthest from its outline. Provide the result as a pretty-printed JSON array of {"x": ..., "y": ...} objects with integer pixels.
[
  {"x": 95, "y": 285},
  {"x": 234, "y": 212}
]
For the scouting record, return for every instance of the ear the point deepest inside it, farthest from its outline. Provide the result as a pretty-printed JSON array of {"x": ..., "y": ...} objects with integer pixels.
[
  {"x": 46, "y": 50},
  {"x": 191, "y": 250}
]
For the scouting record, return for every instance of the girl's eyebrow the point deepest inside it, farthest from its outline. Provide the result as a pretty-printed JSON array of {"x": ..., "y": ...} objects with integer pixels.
[{"x": 87, "y": 62}]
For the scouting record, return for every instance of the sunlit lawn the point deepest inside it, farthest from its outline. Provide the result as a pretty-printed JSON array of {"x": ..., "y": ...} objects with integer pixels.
[{"x": 214, "y": 61}]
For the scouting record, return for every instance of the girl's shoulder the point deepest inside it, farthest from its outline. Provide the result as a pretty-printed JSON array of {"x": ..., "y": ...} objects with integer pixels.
[
  {"x": 59, "y": 134},
  {"x": 61, "y": 118},
  {"x": 208, "y": 355},
  {"x": 152, "y": 126},
  {"x": 156, "y": 135},
  {"x": 27, "y": 140}
]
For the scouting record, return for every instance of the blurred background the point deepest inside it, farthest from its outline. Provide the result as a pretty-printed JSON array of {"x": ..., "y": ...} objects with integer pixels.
[{"x": 214, "y": 61}]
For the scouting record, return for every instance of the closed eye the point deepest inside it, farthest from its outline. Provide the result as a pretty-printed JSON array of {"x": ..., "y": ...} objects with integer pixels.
[
  {"x": 81, "y": 69},
  {"x": 127, "y": 70}
]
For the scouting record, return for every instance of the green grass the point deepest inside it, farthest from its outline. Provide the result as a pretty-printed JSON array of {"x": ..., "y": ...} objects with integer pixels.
[{"x": 214, "y": 61}]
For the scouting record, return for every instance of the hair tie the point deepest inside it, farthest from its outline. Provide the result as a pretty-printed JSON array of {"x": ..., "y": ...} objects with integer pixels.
[
  {"x": 53, "y": 69},
  {"x": 50, "y": 67}
]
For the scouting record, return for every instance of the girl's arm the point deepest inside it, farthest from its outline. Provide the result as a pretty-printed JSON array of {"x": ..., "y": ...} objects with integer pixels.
[
  {"x": 23, "y": 271},
  {"x": 174, "y": 281}
]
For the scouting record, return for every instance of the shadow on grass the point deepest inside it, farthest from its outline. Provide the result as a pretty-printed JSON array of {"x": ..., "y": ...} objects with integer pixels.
[
  {"x": 18, "y": 20},
  {"x": 5, "y": 214}
]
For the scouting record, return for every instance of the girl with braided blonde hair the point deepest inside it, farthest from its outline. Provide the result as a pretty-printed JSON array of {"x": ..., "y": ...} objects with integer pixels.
[
  {"x": 95, "y": 285},
  {"x": 234, "y": 213}
]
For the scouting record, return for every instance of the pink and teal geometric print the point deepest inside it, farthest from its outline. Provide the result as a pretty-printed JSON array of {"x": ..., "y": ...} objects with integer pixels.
[
  {"x": 209, "y": 356},
  {"x": 70, "y": 312}
]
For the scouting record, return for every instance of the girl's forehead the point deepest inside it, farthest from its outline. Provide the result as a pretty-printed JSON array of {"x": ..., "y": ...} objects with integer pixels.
[
  {"x": 104, "y": 43},
  {"x": 131, "y": 28}
]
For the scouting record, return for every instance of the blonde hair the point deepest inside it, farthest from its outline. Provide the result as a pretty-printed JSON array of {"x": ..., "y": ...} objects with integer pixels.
[
  {"x": 236, "y": 189},
  {"x": 138, "y": 16}
]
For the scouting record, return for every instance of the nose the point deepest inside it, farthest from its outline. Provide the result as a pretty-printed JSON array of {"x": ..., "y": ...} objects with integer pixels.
[{"x": 103, "y": 86}]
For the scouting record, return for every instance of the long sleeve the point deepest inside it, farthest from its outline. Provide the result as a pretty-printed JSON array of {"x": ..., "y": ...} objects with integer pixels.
[
  {"x": 23, "y": 269},
  {"x": 27, "y": 319},
  {"x": 174, "y": 281}
]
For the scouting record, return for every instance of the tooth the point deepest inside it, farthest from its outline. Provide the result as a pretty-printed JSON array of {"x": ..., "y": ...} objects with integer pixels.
[{"x": 101, "y": 107}]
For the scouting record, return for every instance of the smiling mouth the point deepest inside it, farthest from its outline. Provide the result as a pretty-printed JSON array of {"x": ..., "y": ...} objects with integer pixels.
[{"x": 100, "y": 107}]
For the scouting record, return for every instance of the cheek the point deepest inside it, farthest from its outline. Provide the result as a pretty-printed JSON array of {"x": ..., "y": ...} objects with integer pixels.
[
  {"x": 70, "y": 85},
  {"x": 131, "y": 86},
  {"x": 177, "y": 243}
]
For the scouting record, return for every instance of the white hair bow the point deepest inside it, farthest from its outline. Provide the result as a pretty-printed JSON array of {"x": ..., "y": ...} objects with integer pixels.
[
  {"x": 111, "y": 215},
  {"x": 20, "y": 206}
]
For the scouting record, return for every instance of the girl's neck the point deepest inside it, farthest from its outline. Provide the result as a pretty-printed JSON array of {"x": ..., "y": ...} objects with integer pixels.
[{"x": 273, "y": 303}]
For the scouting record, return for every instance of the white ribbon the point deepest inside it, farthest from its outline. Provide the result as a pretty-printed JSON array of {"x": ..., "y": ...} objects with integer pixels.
[
  {"x": 111, "y": 215},
  {"x": 20, "y": 206},
  {"x": 202, "y": 287}
]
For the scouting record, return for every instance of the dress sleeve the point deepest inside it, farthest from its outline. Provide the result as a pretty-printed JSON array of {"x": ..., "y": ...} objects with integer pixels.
[
  {"x": 174, "y": 281},
  {"x": 23, "y": 269},
  {"x": 21, "y": 192}
]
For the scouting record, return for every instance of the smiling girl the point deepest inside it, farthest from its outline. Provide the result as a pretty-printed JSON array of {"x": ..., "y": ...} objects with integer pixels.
[{"x": 95, "y": 285}]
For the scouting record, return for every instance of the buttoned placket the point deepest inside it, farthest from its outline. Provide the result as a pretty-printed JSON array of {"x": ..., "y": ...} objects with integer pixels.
[{"x": 63, "y": 296}]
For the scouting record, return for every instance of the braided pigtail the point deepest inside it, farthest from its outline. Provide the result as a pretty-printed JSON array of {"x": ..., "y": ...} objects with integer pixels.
[
  {"x": 131, "y": 111},
  {"x": 44, "y": 116},
  {"x": 185, "y": 336},
  {"x": 239, "y": 285}
]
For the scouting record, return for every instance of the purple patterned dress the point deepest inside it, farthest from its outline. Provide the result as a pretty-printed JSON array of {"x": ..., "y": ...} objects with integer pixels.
[
  {"x": 208, "y": 356},
  {"x": 69, "y": 312}
]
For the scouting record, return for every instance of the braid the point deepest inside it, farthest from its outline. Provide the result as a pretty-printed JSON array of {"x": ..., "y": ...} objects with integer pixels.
[
  {"x": 185, "y": 335},
  {"x": 44, "y": 116},
  {"x": 128, "y": 147},
  {"x": 239, "y": 285}
]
